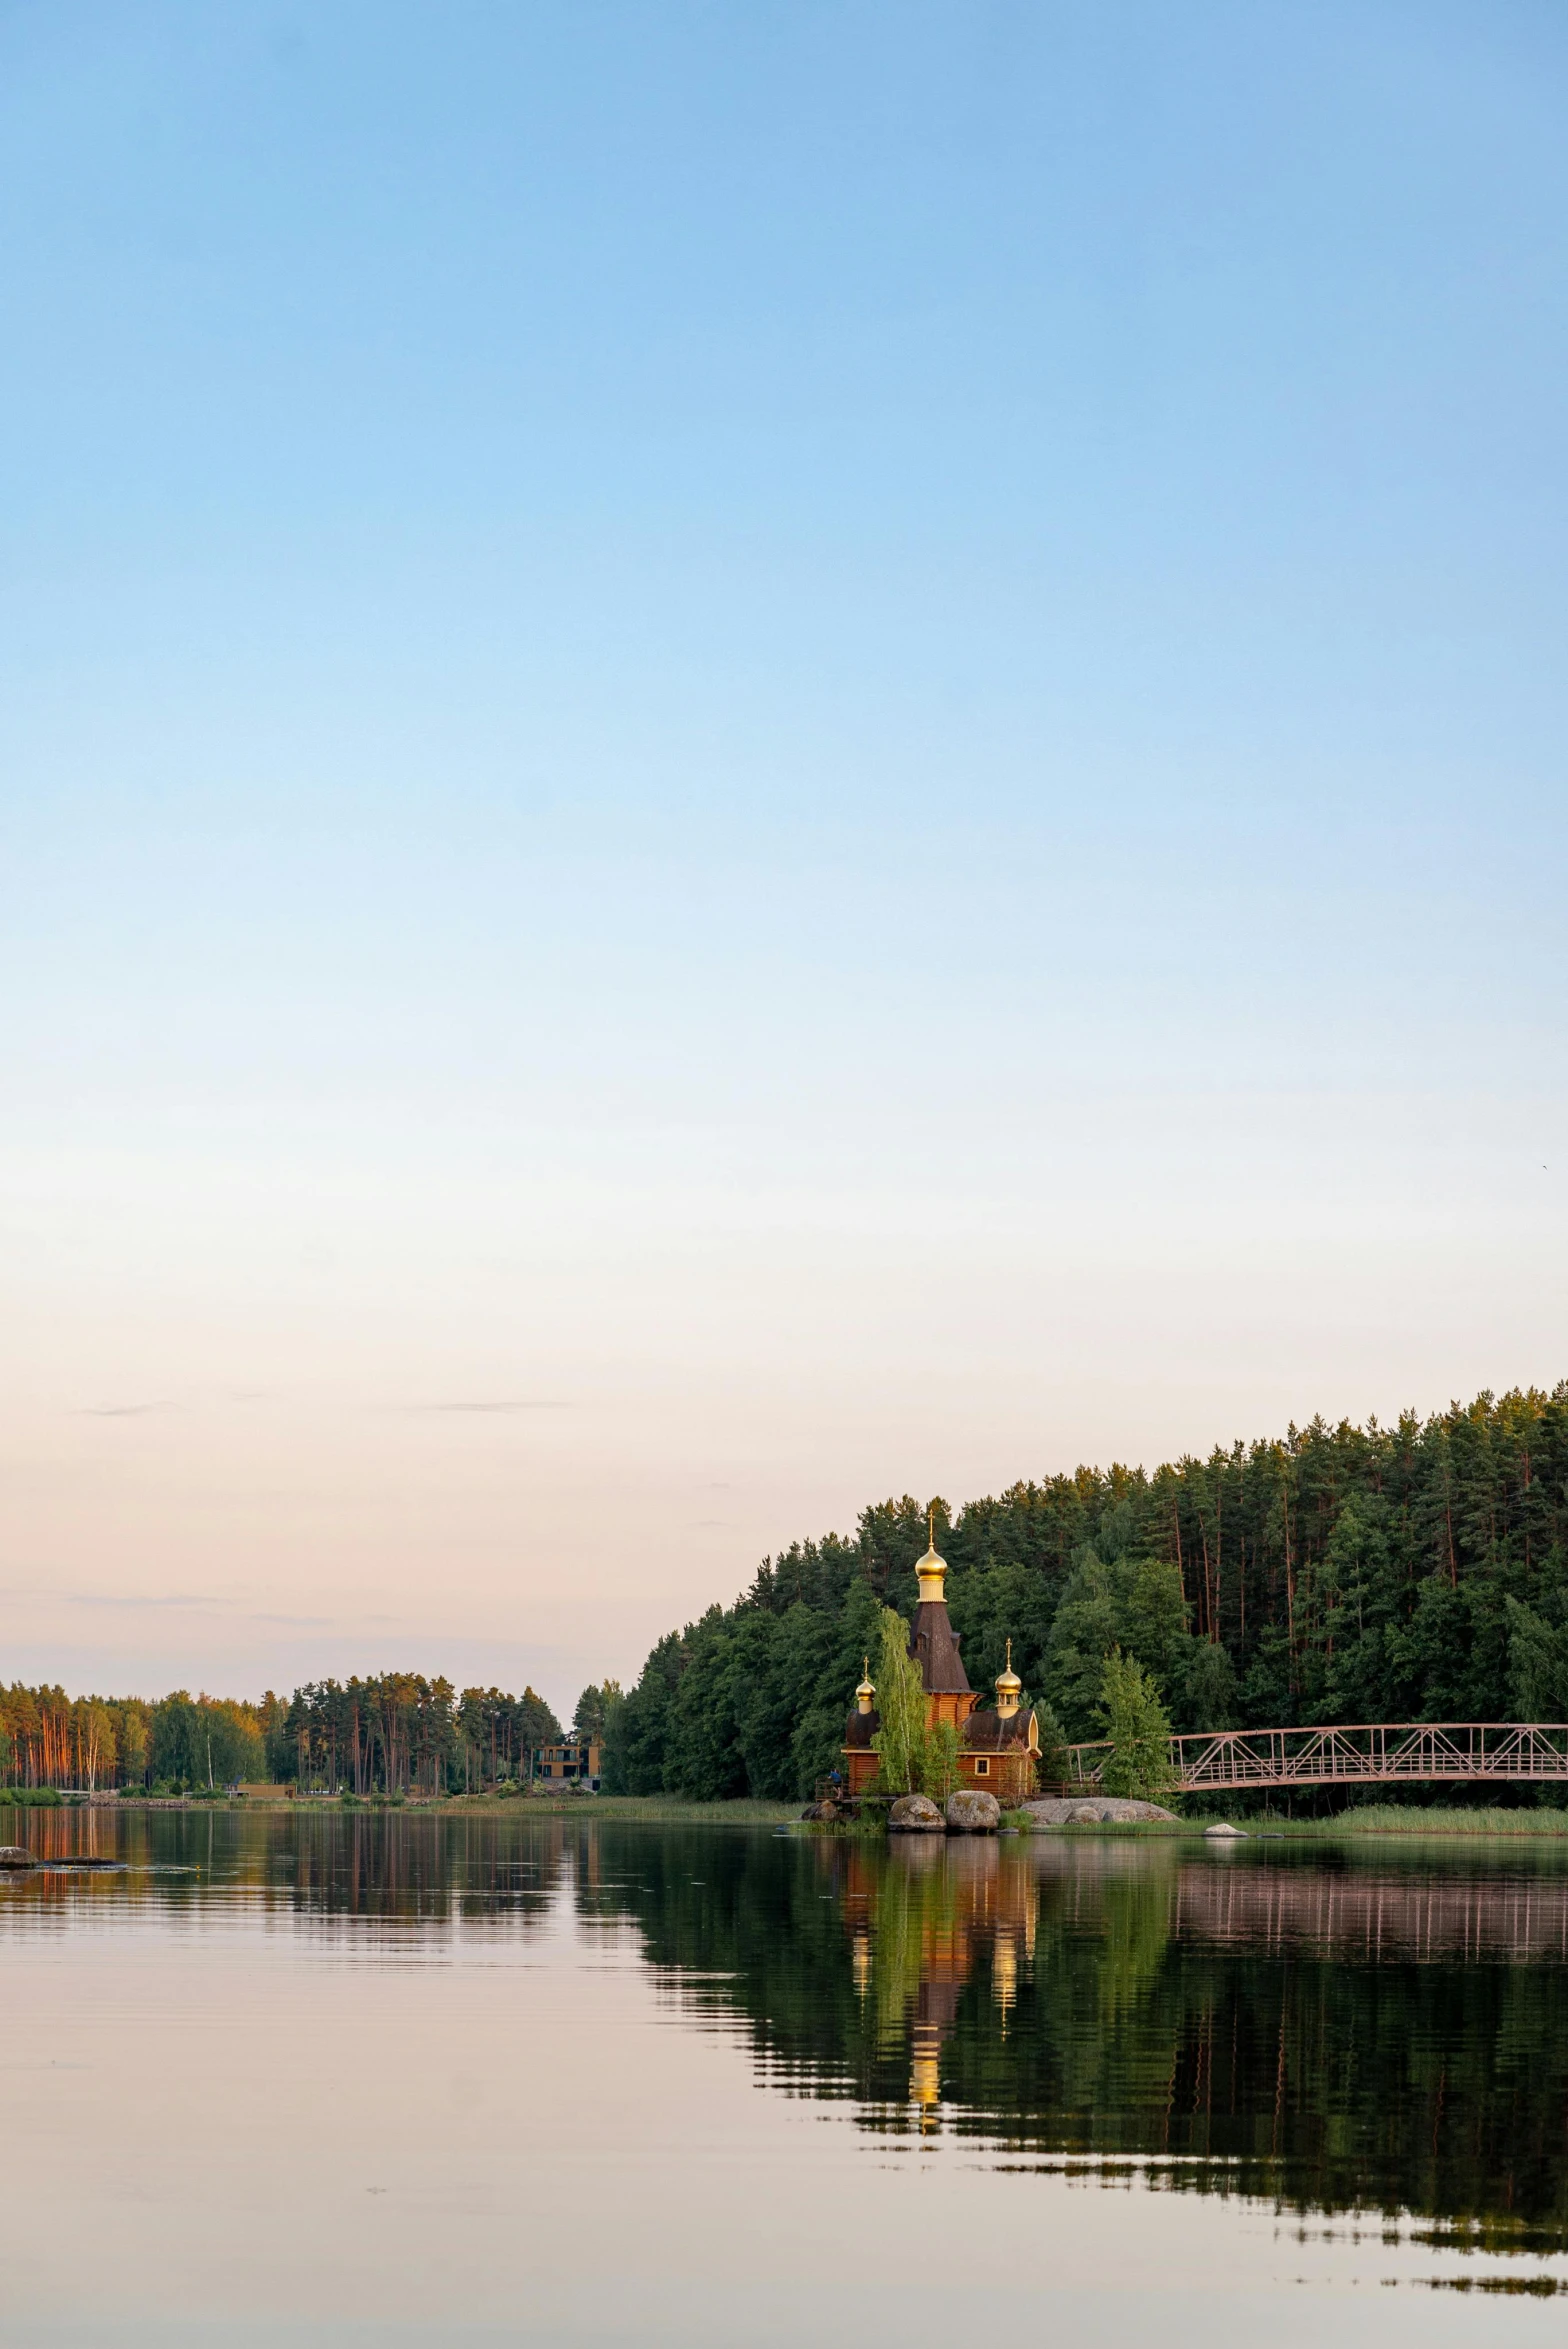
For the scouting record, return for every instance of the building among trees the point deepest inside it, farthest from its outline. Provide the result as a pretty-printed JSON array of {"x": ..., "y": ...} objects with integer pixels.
[
  {"x": 572, "y": 1762},
  {"x": 997, "y": 1751}
]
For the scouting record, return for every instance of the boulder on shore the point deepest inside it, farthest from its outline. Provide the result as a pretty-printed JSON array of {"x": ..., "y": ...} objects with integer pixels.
[
  {"x": 823, "y": 1813},
  {"x": 1093, "y": 1810},
  {"x": 1223, "y": 1832},
  {"x": 971, "y": 1811},
  {"x": 16, "y": 1855},
  {"x": 915, "y": 1814}
]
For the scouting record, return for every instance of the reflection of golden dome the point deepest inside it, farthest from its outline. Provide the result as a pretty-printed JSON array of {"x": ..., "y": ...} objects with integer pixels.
[
  {"x": 925, "y": 2073},
  {"x": 861, "y": 1959},
  {"x": 1004, "y": 1976}
]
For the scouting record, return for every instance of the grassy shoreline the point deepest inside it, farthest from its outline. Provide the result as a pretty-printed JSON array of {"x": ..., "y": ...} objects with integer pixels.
[
  {"x": 1368, "y": 1819},
  {"x": 1401, "y": 1819},
  {"x": 654, "y": 1809}
]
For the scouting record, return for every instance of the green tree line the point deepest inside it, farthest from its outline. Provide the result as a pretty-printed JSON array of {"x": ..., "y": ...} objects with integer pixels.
[
  {"x": 396, "y": 1732},
  {"x": 399, "y": 1733},
  {"x": 1338, "y": 1573},
  {"x": 50, "y": 1739}
]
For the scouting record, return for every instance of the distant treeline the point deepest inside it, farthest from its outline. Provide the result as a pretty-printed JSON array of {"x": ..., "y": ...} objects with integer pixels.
[
  {"x": 401, "y": 1733},
  {"x": 394, "y": 1733},
  {"x": 1418, "y": 1572},
  {"x": 50, "y": 1739}
]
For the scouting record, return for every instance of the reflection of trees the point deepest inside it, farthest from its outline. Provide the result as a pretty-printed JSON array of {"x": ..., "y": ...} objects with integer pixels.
[
  {"x": 743, "y": 1926},
  {"x": 1079, "y": 2000},
  {"x": 390, "y": 1866},
  {"x": 1328, "y": 2034},
  {"x": 1304, "y": 2071},
  {"x": 847, "y": 1961},
  {"x": 930, "y": 1911}
]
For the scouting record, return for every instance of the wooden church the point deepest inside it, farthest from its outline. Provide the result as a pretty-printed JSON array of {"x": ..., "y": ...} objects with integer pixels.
[{"x": 998, "y": 1751}]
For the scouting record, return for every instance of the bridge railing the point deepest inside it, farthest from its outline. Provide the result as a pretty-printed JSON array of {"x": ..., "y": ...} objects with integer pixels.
[{"x": 1366, "y": 1754}]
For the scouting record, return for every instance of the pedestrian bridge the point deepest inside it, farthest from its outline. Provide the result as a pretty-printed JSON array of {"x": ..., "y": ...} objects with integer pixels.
[{"x": 1383, "y": 1753}]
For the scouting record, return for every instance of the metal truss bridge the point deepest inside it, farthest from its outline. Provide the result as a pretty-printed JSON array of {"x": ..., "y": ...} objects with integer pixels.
[{"x": 1223, "y": 1761}]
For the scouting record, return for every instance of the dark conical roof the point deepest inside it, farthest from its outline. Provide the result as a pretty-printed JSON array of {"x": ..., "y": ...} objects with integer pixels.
[{"x": 934, "y": 1645}]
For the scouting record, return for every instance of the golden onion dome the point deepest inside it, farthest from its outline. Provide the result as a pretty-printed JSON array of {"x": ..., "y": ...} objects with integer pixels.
[
  {"x": 1008, "y": 1683},
  {"x": 931, "y": 1571},
  {"x": 867, "y": 1686}
]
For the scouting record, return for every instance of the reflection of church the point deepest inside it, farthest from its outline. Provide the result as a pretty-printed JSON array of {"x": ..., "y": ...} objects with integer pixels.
[
  {"x": 998, "y": 1750},
  {"x": 919, "y": 1913}
]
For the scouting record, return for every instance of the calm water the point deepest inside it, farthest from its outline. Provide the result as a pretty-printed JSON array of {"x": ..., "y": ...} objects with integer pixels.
[{"x": 340, "y": 2079}]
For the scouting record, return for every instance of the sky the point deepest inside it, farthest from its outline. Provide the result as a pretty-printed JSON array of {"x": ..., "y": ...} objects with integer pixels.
[{"x": 751, "y": 757}]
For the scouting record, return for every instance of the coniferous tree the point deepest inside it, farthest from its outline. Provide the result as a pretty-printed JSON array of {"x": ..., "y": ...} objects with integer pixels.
[{"x": 1336, "y": 1574}]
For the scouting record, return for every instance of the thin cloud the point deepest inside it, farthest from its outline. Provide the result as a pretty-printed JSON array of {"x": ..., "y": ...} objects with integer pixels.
[
  {"x": 115, "y": 1598},
  {"x": 529, "y": 1403},
  {"x": 118, "y": 1410}
]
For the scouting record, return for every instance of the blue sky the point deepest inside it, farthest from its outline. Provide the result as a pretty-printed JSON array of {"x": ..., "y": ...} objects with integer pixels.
[{"x": 752, "y": 755}]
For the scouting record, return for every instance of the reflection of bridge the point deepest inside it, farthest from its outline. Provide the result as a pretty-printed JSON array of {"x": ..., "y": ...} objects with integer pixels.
[
  {"x": 1375, "y": 1754},
  {"x": 1374, "y": 1916}
]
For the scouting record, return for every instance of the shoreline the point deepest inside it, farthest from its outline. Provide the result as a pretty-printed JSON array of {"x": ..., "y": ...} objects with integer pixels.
[
  {"x": 1368, "y": 1822},
  {"x": 745, "y": 1811}
]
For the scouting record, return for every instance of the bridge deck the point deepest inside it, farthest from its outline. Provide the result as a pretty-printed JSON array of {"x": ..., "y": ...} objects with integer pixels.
[{"x": 1369, "y": 1754}]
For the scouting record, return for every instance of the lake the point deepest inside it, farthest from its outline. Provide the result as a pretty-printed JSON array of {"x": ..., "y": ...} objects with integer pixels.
[{"x": 377, "y": 2077}]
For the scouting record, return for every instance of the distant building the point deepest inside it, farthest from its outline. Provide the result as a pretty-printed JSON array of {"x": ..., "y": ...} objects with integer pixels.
[
  {"x": 570, "y": 1763},
  {"x": 998, "y": 1751}
]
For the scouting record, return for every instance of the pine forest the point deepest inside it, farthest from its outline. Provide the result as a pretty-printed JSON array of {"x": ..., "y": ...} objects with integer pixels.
[{"x": 1335, "y": 1574}]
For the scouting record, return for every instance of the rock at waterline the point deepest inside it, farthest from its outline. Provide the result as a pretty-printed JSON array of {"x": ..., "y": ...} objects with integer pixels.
[
  {"x": 1223, "y": 1832},
  {"x": 973, "y": 1812},
  {"x": 822, "y": 1813},
  {"x": 16, "y": 1855},
  {"x": 915, "y": 1814},
  {"x": 1097, "y": 1810}
]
